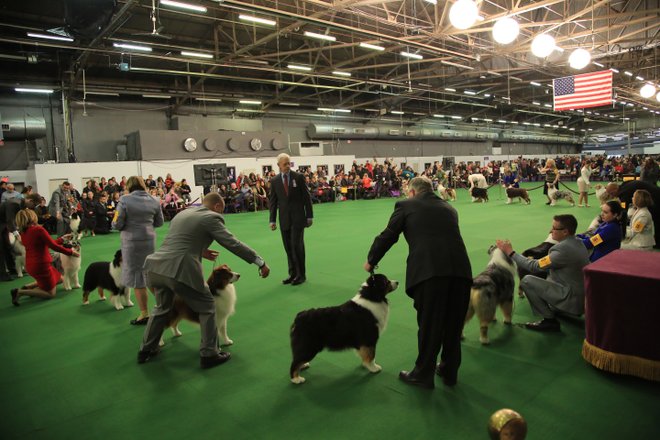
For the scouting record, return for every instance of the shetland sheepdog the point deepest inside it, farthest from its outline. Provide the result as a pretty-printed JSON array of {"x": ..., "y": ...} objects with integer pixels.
[
  {"x": 221, "y": 282},
  {"x": 355, "y": 324},
  {"x": 492, "y": 287},
  {"x": 107, "y": 275}
]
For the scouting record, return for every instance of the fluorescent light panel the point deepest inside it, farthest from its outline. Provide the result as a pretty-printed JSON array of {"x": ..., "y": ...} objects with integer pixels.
[
  {"x": 372, "y": 46},
  {"x": 628, "y": 73},
  {"x": 469, "y": 92},
  {"x": 209, "y": 99},
  {"x": 181, "y": 5},
  {"x": 102, "y": 93},
  {"x": 299, "y": 67},
  {"x": 338, "y": 110},
  {"x": 132, "y": 47},
  {"x": 449, "y": 89},
  {"x": 290, "y": 104},
  {"x": 339, "y": 73},
  {"x": 49, "y": 37},
  {"x": 614, "y": 70},
  {"x": 411, "y": 55},
  {"x": 27, "y": 90},
  {"x": 396, "y": 112},
  {"x": 250, "y": 102},
  {"x": 457, "y": 117},
  {"x": 639, "y": 78},
  {"x": 157, "y": 96},
  {"x": 257, "y": 20},
  {"x": 462, "y": 66},
  {"x": 597, "y": 64},
  {"x": 186, "y": 53},
  {"x": 320, "y": 36},
  {"x": 534, "y": 83}
]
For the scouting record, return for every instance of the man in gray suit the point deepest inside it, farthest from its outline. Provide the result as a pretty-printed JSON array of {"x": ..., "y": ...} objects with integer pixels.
[
  {"x": 177, "y": 268},
  {"x": 563, "y": 290},
  {"x": 59, "y": 208}
]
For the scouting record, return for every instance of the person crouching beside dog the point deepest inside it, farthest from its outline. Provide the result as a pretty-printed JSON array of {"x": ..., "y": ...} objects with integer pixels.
[
  {"x": 38, "y": 261},
  {"x": 563, "y": 290},
  {"x": 438, "y": 279},
  {"x": 177, "y": 268}
]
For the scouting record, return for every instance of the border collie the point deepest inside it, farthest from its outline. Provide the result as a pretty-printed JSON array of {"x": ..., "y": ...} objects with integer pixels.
[
  {"x": 221, "y": 282},
  {"x": 75, "y": 226},
  {"x": 18, "y": 252},
  {"x": 107, "y": 275},
  {"x": 479, "y": 194},
  {"x": 519, "y": 193},
  {"x": 556, "y": 194},
  {"x": 70, "y": 266},
  {"x": 492, "y": 287},
  {"x": 355, "y": 324}
]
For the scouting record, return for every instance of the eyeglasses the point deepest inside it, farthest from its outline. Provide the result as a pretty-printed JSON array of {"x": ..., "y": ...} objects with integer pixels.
[{"x": 557, "y": 229}]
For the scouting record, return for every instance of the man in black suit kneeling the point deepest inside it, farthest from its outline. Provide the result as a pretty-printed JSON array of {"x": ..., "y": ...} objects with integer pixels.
[
  {"x": 438, "y": 279},
  {"x": 289, "y": 193}
]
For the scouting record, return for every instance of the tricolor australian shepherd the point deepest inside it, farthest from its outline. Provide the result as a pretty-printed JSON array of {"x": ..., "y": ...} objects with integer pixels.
[
  {"x": 492, "y": 287},
  {"x": 517, "y": 193},
  {"x": 221, "y": 282},
  {"x": 355, "y": 324},
  {"x": 107, "y": 275}
]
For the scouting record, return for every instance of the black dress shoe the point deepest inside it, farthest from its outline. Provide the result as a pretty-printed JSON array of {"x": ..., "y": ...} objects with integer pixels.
[
  {"x": 288, "y": 280},
  {"x": 140, "y": 321},
  {"x": 447, "y": 378},
  {"x": 411, "y": 378},
  {"x": 144, "y": 356},
  {"x": 215, "y": 360},
  {"x": 544, "y": 325},
  {"x": 298, "y": 280},
  {"x": 14, "y": 297}
]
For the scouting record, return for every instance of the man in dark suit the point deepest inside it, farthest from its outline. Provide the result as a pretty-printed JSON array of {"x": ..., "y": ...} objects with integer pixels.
[
  {"x": 289, "y": 193},
  {"x": 438, "y": 279}
]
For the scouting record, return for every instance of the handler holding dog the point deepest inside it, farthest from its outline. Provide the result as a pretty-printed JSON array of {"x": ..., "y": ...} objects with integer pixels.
[
  {"x": 438, "y": 279},
  {"x": 177, "y": 268}
]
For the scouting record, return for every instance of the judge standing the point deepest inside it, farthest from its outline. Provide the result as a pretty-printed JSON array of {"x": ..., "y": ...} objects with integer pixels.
[{"x": 289, "y": 195}]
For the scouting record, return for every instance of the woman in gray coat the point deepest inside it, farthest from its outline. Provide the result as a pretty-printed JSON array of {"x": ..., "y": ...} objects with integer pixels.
[{"x": 136, "y": 217}]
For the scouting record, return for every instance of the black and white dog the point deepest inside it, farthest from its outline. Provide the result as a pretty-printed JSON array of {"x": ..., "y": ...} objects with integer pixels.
[
  {"x": 479, "y": 194},
  {"x": 355, "y": 324},
  {"x": 492, "y": 287},
  {"x": 107, "y": 275},
  {"x": 75, "y": 227}
]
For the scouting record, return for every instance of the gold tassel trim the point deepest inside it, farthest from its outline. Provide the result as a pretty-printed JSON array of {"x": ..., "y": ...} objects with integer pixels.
[{"x": 621, "y": 363}]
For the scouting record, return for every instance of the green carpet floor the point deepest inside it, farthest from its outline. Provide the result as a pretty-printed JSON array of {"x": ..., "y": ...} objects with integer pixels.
[{"x": 69, "y": 371}]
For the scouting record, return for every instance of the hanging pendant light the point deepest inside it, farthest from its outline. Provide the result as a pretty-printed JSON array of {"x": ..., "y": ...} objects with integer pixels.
[
  {"x": 579, "y": 59},
  {"x": 543, "y": 45},
  {"x": 463, "y": 14},
  {"x": 505, "y": 30},
  {"x": 647, "y": 91}
]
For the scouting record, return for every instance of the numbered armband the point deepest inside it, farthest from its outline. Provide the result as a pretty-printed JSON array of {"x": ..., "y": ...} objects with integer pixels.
[
  {"x": 544, "y": 262},
  {"x": 596, "y": 240},
  {"x": 638, "y": 226}
]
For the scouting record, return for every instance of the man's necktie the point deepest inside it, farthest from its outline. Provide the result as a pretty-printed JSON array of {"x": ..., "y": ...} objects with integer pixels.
[{"x": 286, "y": 184}]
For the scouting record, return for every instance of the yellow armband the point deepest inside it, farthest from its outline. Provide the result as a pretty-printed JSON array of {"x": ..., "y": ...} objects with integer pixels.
[
  {"x": 545, "y": 261},
  {"x": 596, "y": 240}
]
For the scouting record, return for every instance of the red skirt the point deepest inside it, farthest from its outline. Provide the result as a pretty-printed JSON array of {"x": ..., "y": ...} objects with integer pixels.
[{"x": 45, "y": 275}]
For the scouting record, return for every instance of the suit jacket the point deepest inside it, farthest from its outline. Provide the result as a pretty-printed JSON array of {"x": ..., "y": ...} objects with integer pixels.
[
  {"x": 641, "y": 230},
  {"x": 59, "y": 203},
  {"x": 8, "y": 211},
  {"x": 565, "y": 262},
  {"x": 294, "y": 208},
  {"x": 137, "y": 215},
  {"x": 436, "y": 248},
  {"x": 191, "y": 232}
]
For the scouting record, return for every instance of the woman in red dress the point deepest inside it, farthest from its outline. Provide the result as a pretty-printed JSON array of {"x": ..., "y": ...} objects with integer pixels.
[{"x": 38, "y": 261}]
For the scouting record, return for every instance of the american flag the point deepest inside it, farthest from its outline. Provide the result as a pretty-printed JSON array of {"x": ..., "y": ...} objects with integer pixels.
[{"x": 583, "y": 91}]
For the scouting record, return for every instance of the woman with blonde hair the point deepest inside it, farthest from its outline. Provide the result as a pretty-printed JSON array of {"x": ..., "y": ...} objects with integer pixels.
[
  {"x": 136, "y": 216},
  {"x": 38, "y": 262},
  {"x": 583, "y": 183},
  {"x": 551, "y": 177}
]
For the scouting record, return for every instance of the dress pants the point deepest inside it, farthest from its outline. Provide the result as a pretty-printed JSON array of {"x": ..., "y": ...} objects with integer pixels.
[
  {"x": 63, "y": 226},
  {"x": 294, "y": 245},
  {"x": 7, "y": 263},
  {"x": 543, "y": 295},
  {"x": 200, "y": 302},
  {"x": 441, "y": 304}
]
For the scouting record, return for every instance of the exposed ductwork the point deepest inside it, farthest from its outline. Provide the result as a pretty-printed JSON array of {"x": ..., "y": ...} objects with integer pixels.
[
  {"x": 20, "y": 129},
  {"x": 323, "y": 131}
]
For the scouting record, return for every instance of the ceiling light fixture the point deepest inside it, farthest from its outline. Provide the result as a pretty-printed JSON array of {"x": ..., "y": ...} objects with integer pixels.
[
  {"x": 543, "y": 45},
  {"x": 439, "y": 116},
  {"x": 102, "y": 93},
  {"x": 534, "y": 83},
  {"x": 372, "y": 110},
  {"x": 289, "y": 104},
  {"x": 49, "y": 37},
  {"x": 457, "y": 117},
  {"x": 462, "y": 66},
  {"x": 628, "y": 73},
  {"x": 597, "y": 64},
  {"x": 505, "y": 30},
  {"x": 639, "y": 78},
  {"x": 536, "y": 103},
  {"x": 449, "y": 89},
  {"x": 299, "y": 67},
  {"x": 320, "y": 36},
  {"x": 463, "y": 14},
  {"x": 257, "y": 20},
  {"x": 411, "y": 55},
  {"x": 209, "y": 99},
  {"x": 340, "y": 73},
  {"x": 157, "y": 96},
  {"x": 396, "y": 112},
  {"x": 132, "y": 47},
  {"x": 647, "y": 91},
  {"x": 469, "y": 92},
  {"x": 372, "y": 46},
  {"x": 249, "y": 102},
  {"x": 181, "y": 5},
  {"x": 27, "y": 90},
  {"x": 579, "y": 59},
  {"x": 186, "y": 53},
  {"x": 614, "y": 70}
]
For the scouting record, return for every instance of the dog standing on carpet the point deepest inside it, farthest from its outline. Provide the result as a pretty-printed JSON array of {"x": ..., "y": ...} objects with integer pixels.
[
  {"x": 519, "y": 193},
  {"x": 446, "y": 194},
  {"x": 107, "y": 275},
  {"x": 76, "y": 233},
  {"x": 221, "y": 283},
  {"x": 18, "y": 252},
  {"x": 479, "y": 194},
  {"x": 71, "y": 266},
  {"x": 492, "y": 287},
  {"x": 355, "y": 324},
  {"x": 556, "y": 194}
]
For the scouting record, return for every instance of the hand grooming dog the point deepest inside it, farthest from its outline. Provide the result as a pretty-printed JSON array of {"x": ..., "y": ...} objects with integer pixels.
[
  {"x": 18, "y": 252},
  {"x": 479, "y": 194},
  {"x": 519, "y": 193},
  {"x": 355, "y": 324},
  {"x": 492, "y": 287},
  {"x": 70, "y": 266},
  {"x": 221, "y": 282},
  {"x": 555, "y": 195},
  {"x": 75, "y": 227},
  {"x": 107, "y": 275}
]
